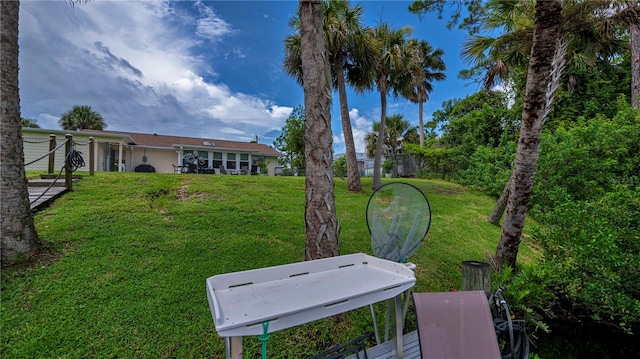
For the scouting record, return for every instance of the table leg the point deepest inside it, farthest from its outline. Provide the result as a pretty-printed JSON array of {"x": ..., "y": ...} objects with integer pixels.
[
  {"x": 399, "y": 326},
  {"x": 233, "y": 347}
]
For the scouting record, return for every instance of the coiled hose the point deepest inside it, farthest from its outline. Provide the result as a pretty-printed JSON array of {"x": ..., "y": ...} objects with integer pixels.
[
  {"x": 518, "y": 347},
  {"x": 72, "y": 162}
]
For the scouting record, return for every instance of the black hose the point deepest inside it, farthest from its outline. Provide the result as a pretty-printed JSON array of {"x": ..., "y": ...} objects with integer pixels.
[
  {"x": 74, "y": 160},
  {"x": 518, "y": 347}
]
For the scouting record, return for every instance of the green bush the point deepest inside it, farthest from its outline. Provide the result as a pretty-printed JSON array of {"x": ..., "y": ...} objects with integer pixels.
[
  {"x": 594, "y": 249},
  {"x": 587, "y": 159},
  {"x": 340, "y": 167},
  {"x": 487, "y": 169}
]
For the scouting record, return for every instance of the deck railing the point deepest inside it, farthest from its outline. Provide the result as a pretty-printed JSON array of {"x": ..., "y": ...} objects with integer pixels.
[{"x": 68, "y": 161}]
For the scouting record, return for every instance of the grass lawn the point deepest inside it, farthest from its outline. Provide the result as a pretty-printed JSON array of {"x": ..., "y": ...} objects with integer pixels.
[{"x": 124, "y": 276}]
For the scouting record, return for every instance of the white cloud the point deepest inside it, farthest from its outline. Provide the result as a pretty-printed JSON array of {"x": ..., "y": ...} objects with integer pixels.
[
  {"x": 360, "y": 127},
  {"x": 210, "y": 26},
  {"x": 139, "y": 64}
]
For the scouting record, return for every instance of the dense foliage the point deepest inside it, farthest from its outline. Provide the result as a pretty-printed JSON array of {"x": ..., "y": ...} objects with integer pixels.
[{"x": 586, "y": 194}]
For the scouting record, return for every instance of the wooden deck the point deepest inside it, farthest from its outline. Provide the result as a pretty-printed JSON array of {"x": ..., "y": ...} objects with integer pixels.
[
  {"x": 37, "y": 188},
  {"x": 385, "y": 350}
]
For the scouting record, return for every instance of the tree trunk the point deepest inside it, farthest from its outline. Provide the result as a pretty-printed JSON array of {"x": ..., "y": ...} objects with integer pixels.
[
  {"x": 321, "y": 224},
  {"x": 19, "y": 237},
  {"x": 377, "y": 161},
  {"x": 353, "y": 176},
  {"x": 546, "y": 32},
  {"x": 421, "y": 123},
  {"x": 635, "y": 64},
  {"x": 498, "y": 209}
]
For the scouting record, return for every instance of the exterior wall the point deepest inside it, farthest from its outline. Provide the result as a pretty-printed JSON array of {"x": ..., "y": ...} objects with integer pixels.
[
  {"x": 161, "y": 159},
  {"x": 271, "y": 167}
]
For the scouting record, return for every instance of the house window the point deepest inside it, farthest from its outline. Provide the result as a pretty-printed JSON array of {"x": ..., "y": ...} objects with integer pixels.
[
  {"x": 203, "y": 158},
  {"x": 217, "y": 159},
  {"x": 244, "y": 161},
  {"x": 231, "y": 161}
]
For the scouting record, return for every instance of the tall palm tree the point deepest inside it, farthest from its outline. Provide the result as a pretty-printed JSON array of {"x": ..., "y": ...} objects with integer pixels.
[
  {"x": 345, "y": 39},
  {"x": 391, "y": 70},
  {"x": 82, "y": 117},
  {"x": 544, "y": 52},
  {"x": 322, "y": 227},
  {"x": 18, "y": 236},
  {"x": 430, "y": 68},
  {"x": 582, "y": 27}
]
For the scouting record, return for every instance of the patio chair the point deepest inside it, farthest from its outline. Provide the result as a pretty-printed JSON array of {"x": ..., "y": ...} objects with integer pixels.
[
  {"x": 455, "y": 325},
  {"x": 222, "y": 170}
]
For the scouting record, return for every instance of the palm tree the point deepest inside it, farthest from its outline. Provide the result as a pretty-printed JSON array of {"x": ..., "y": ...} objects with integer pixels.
[
  {"x": 430, "y": 69},
  {"x": 18, "y": 236},
  {"x": 82, "y": 117},
  {"x": 498, "y": 56},
  {"x": 396, "y": 131},
  {"x": 345, "y": 39},
  {"x": 544, "y": 52},
  {"x": 391, "y": 70},
  {"x": 322, "y": 227}
]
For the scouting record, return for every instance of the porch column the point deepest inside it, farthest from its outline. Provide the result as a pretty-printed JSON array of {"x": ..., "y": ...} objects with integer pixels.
[
  {"x": 131, "y": 159},
  {"x": 92, "y": 156},
  {"x": 120, "y": 157}
]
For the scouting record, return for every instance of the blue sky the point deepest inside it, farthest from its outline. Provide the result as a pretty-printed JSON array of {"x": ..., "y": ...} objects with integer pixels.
[{"x": 210, "y": 69}]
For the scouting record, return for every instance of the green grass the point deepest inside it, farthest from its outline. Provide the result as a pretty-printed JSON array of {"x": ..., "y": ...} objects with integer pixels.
[{"x": 134, "y": 249}]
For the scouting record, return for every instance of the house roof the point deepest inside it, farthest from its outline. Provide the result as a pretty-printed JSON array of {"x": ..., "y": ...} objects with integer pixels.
[{"x": 172, "y": 142}]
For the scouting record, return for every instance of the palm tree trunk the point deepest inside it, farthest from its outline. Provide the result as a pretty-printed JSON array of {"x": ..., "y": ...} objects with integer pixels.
[
  {"x": 545, "y": 35},
  {"x": 321, "y": 224},
  {"x": 421, "y": 123},
  {"x": 501, "y": 205},
  {"x": 377, "y": 161},
  {"x": 353, "y": 176},
  {"x": 19, "y": 236}
]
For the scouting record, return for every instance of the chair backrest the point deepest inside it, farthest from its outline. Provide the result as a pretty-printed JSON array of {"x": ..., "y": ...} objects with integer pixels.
[
  {"x": 222, "y": 170},
  {"x": 398, "y": 218},
  {"x": 455, "y": 325}
]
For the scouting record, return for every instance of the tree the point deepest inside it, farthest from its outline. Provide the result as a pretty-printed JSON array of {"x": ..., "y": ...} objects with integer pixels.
[
  {"x": 430, "y": 68},
  {"x": 322, "y": 228},
  {"x": 544, "y": 57},
  {"x": 391, "y": 69},
  {"x": 82, "y": 117},
  {"x": 291, "y": 140},
  {"x": 19, "y": 236},
  {"x": 394, "y": 135},
  {"x": 29, "y": 122},
  {"x": 345, "y": 40}
]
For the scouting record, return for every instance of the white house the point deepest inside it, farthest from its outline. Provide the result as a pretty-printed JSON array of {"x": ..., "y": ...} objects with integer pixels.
[{"x": 126, "y": 151}]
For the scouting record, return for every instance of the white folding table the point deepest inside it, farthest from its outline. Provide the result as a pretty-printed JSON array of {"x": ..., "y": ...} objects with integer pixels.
[{"x": 292, "y": 294}]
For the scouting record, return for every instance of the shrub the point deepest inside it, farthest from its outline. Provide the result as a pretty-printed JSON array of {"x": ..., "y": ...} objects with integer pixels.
[{"x": 594, "y": 248}]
